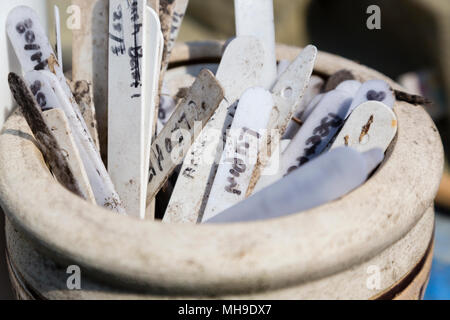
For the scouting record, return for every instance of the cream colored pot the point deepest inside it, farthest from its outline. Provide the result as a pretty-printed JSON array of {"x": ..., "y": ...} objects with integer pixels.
[{"x": 374, "y": 242}]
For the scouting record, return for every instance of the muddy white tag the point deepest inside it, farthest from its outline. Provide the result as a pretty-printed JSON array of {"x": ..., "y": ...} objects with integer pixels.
[
  {"x": 373, "y": 90},
  {"x": 371, "y": 125},
  {"x": 166, "y": 9},
  {"x": 82, "y": 92},
  {"x": 244, "y": 141},
  {"x": 324, "y": 179},
  {"x": 291, "y": 85},
  {"x": 314, "y": 135},
  {"x": 58, "y": 124},
  {"x": 90, "y": 56},
  {"x": 239, "y": 69},
  {"x": 46, "y": 87},
  {"x": 185, "y": 124},
  {"x": 255, "y": 18},
  {"x": 58, "y": 35},
  {"x": 177, "y": 18}
]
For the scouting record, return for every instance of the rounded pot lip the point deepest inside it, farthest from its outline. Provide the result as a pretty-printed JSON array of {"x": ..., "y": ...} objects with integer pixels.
[{"x": 242, "y": 257}]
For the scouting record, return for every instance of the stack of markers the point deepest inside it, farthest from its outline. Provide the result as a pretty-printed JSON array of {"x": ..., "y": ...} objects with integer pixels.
[{"x": 256, "y": 140}]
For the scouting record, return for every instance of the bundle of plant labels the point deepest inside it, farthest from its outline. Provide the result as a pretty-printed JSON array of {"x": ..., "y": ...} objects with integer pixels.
[{"x": 255, "y": 140}]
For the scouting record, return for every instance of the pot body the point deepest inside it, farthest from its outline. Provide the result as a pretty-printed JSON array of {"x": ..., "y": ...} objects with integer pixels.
[{"x": 376, "y": 242}]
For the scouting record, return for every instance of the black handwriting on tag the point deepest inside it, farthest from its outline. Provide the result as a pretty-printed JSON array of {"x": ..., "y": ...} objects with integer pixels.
[
  {"x": 119, "y": 48},
  {"x": 39, "y": 95},
  {"x": 25, "y": 28},
  {"x": 321, "y": 131},
  {"x": 135, "y": 52},
  {"x": 239, "y": 165},
  {"x": 374, "y": 95}
]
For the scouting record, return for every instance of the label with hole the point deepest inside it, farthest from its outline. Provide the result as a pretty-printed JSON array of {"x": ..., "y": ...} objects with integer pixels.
[
  {"x": 287, "y": 94},
  {"x": 371, "y": 125}
]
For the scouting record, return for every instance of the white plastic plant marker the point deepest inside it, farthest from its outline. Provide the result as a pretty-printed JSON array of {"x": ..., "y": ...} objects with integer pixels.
[
  {"x": 244, "y": 140},
  {"x": 101, "y": 184},
  {"x": 171, "y": 145},
  {"x": 305, "y": 107},
  {"x": 255, "y": 18},
  {"x": 58, "y": 35},
  {"x": 153, "y": 48},
  {"x": 291, "y": 85},
  {"x": 57, "y": 122},
  {"x": 371, "y": 125},
  {"x": 314, "y": 135},
  {"x": 126, "y": 107},
  {"x": 326, "y": 178},
  {"x": 373, "y": 90},
  {"x": 239, "y": 69},
  {"x": 154, "y": 107},
  {"x": 166, "y": 9}
]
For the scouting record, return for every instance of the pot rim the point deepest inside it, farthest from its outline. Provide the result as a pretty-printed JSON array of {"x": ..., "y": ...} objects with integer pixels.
[{"x": 238, "y": 257}]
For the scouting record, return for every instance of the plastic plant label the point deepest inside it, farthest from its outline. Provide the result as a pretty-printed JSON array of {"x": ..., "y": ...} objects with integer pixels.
[
  {"x": 287, "y": 94},
  {"x": 371, "y": 125},
  {"x": 255, "y": 18},
  {"x": 177, "y": 18},
  {"x": 246, "y": 136}
]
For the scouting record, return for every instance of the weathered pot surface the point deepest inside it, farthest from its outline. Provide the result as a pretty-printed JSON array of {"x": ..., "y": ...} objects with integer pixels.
[{"x": 194, "y": 260}]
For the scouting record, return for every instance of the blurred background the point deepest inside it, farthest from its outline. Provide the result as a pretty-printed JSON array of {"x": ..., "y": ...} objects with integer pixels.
[{"x": 412, "y": 46}]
